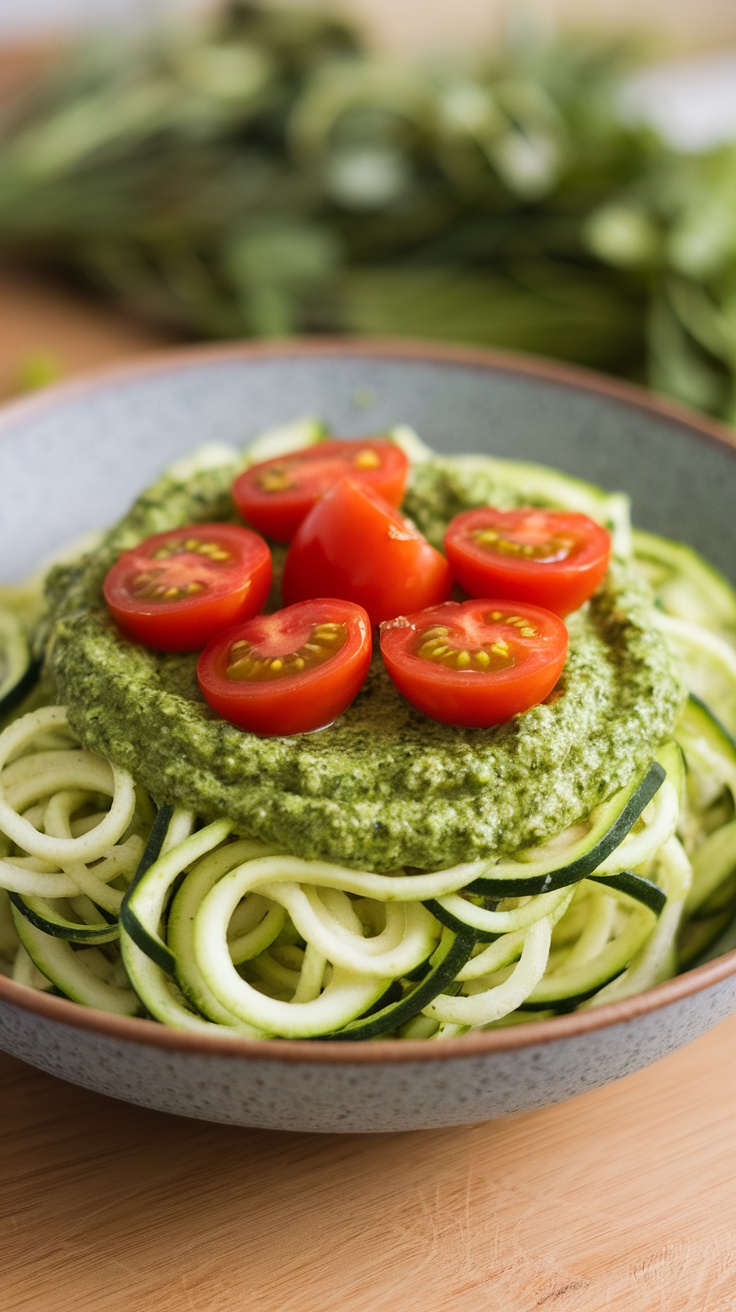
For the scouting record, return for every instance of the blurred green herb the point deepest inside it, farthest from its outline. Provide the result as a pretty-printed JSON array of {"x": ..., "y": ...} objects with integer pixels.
[
  {"x": 37, "y": 370},
  {"x": 265, "y": 174}
]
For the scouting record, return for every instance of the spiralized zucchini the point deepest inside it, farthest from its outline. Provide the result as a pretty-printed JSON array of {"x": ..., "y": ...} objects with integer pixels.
[{"x": 120, "y": 905}]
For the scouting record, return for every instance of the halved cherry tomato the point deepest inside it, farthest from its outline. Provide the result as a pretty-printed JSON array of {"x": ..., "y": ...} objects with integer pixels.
[
  {"x": 353, "y": 544},
  {"x": 275, "y": 495},
  {"x": 551, "y": 558},
  {"x": 475, "y": 663},
  {"x": 289, "y": 672},
  {"x": 178, "y": 589}
]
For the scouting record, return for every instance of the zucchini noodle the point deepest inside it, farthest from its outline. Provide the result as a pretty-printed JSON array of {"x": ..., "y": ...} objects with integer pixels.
[{"x": 122, "y": 904}]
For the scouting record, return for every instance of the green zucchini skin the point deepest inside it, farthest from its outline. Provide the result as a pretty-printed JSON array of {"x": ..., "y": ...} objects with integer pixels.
[
  {"x": 699, "y": 936},
  {"x": 153, "y": 847},
  {"x": 636, "y": 886},
  {"x": 554, "y": 996},
  {"x": 564, "y": 1005},
  {"x": 39, "y": 913},
  {"x": 390, "y": 1012},
  {"x": 56, "y": 960},
  {"x": 633, "y": 885},
  {"x": 709, "y": 919},
  {"x": 163, "y": 957},
  {"x": 20, "y": 690},
  {"x": 128, "y": 919},
  {"x": 441, "y": 976},
  {"x": 587, "y": 862},
  {"x": 698, "y": 716},
  {"x": 459, "y": 926}
]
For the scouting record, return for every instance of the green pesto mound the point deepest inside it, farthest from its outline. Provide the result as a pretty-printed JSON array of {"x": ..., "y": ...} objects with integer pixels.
[{"x": 383, "y": 786}]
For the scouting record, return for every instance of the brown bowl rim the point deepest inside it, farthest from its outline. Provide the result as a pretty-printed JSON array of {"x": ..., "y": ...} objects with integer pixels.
[{"x": 352, "y": 1052}]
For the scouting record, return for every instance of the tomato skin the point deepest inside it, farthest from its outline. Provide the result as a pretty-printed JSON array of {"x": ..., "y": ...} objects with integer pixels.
[
  {"x": 560, "y": 585},
  {"x": 231, "y": 589},
  {"x": 476, "y": 698},
  {"x": 353, "y": 544},
  {"x": 299, "y": 702},
  {"x": 278, "y": 512}
]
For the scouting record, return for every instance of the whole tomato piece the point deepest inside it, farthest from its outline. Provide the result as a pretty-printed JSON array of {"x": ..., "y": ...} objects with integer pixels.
[
  {"x": 276, "y": 495},
  {"x": 353, "y": 544}
]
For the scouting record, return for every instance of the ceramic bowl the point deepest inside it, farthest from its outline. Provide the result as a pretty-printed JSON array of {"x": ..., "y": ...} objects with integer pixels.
[{"x": 73, "y": 458}]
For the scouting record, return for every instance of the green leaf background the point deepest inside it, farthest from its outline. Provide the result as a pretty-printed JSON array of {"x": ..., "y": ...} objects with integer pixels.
[{"x": 264, "y": 173}]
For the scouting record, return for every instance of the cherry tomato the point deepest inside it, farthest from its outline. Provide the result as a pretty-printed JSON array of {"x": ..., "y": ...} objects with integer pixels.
[
  {"x": 176, "y": 590},
  {"x": 289, "y": 672},
  {"x": 554, "y": 559},
  {"x": 475, "y": 663},
  {"x": 275, "y": 495},
  {"x": 353, "y": 544}
]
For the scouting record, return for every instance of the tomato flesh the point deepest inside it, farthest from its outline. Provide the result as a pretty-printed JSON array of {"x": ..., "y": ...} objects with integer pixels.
[
  {"x": 290, "y": 672},
  {"x": 353, "y": 544},
  {"x": 555, "y": 559},
  {"x": 475, "y": 663},
  {"x": 276, "y": 495},
  {"x": 176, "y": 590}
]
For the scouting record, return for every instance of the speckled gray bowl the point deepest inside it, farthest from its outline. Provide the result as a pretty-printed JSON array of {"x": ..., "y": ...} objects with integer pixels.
[{"x": 74, "y": 458}]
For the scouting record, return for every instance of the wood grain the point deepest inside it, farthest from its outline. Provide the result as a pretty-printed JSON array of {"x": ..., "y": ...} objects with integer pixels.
[
  {"x": 620, "y": 1199},
  {"x": 623, "y": 1199}
]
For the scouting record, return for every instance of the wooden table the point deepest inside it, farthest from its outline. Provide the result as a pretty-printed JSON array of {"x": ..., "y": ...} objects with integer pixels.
[{"x": 623, "y": 1199}]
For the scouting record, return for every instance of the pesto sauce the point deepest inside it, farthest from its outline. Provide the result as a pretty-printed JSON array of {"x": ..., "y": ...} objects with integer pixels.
[{"x": 383, "y": 786}]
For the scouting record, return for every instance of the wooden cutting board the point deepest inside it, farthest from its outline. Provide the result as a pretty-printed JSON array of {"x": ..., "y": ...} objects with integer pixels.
[{"x": 624, "y": 1199}]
